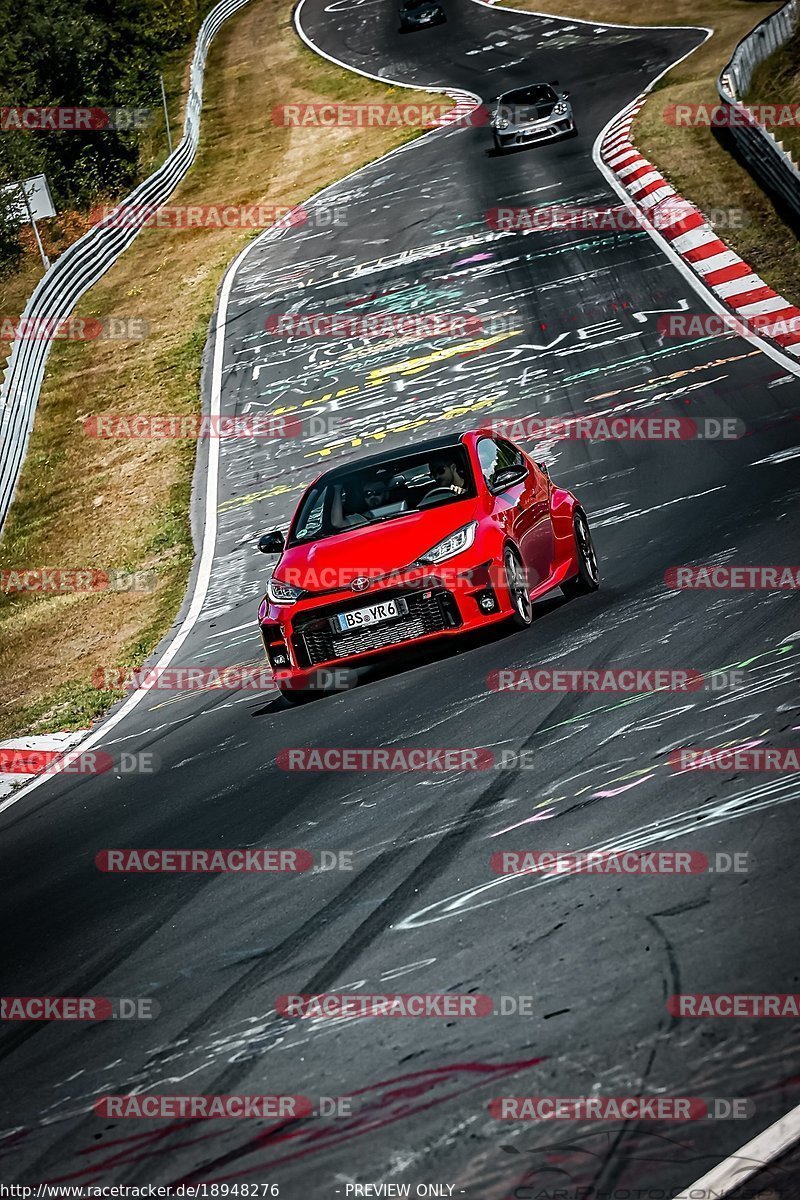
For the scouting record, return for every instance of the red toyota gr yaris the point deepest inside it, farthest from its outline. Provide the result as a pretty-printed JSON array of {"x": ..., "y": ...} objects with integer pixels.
[{"x": 416, "y": 544}]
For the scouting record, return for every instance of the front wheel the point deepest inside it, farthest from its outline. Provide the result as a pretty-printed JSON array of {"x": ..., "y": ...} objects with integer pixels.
[
  {"x": 588, "y": 577},
  {"x": 517, "y": 588}
]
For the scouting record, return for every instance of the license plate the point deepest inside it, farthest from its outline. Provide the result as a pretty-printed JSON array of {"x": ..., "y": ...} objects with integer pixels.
[{"x": 375, "y": 614}]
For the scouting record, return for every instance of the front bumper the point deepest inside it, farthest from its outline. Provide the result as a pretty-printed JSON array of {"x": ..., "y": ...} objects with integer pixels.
[
  {"x": 527, "y": 135},
  {"x": 299, "y": 639}
]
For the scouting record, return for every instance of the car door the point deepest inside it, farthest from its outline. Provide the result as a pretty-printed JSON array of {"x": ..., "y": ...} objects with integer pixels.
[{"x": 521, "y": 508}]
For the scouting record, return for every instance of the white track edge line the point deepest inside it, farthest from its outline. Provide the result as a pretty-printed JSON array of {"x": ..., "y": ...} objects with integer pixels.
[
  {"x": 529, "y": 12},
  {"x": 733, "y": 1171}
]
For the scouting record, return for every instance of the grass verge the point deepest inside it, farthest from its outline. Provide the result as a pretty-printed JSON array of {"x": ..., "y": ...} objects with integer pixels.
[
  {"x": 777, "y": 81},
  {"x": 693, "y": 159},
  {"x": 123, "y": 504}
]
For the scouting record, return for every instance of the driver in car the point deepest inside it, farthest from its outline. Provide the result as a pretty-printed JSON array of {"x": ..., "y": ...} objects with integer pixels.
[
  {"x": 447, "y": 475},
  {"x": 352, "y": 505}
]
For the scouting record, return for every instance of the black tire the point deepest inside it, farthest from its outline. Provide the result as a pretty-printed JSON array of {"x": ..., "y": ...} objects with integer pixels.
[
  {"x": 498, "y": 147},
  {"x": 588, "y": 577},
  {"x": 517, "y": 585}
]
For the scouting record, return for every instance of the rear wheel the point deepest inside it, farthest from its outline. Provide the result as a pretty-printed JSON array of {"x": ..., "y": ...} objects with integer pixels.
[
  {"x": 588, "y": 577},
  {"x": 517, "y": 588}
]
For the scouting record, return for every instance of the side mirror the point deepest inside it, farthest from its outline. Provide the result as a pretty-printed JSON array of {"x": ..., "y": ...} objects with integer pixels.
[
  {"x": 565, "y": 95},
  {"x": 543, "y": 468},
  {"x": 508, "y": 477},
  {"x": 271, "y": 543}
]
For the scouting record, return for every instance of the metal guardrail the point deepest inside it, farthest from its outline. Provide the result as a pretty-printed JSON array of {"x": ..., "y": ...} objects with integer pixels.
[
  {"x": 763, "y": 154},
  {"x": 84, "y": 263}
]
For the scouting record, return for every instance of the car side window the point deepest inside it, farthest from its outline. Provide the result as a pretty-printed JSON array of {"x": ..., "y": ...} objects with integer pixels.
[
  {"x": 487, "y": 457},
  {"x": 512, "y": 457},
  {"x": 310, "y": 521},
  {"x": 496, "y": 456}
]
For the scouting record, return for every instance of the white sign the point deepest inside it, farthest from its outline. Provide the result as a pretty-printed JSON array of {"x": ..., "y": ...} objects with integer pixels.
[{"x": 39, "y": 199}]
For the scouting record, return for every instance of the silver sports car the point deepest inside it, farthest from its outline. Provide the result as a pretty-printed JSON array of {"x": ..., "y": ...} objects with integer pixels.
[{"x": 536, "y": 113}]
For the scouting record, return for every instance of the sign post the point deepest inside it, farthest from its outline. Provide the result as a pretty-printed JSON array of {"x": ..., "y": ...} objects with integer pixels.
[{"x": 36, "y": 203}]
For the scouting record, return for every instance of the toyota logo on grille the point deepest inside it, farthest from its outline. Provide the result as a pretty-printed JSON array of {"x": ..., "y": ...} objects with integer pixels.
[{"x": 361, "y": 584}]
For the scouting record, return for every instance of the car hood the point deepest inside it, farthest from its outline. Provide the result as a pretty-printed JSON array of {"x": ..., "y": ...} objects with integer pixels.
[
  {"x": 373, "y": 550},
  {"x": 524, "y": 114}
]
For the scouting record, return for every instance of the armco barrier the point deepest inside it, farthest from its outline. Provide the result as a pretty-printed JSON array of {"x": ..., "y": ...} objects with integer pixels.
[
  {"x": 83, "y": 264},
  {"x": 762, "y": 153}
]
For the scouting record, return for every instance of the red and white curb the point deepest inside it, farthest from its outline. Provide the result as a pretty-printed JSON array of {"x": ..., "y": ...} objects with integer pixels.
[
  {"x": 728, "y": 276},
  {"x": 461, "y": 112},
  {"x": 23, "y": 758}
]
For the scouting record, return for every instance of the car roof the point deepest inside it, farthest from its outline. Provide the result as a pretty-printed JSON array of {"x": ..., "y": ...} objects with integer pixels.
[{"x": 447, "y": 442}]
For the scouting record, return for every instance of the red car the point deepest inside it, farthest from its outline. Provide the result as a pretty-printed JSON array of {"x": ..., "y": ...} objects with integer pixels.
[{"x": 417, "y": 544}]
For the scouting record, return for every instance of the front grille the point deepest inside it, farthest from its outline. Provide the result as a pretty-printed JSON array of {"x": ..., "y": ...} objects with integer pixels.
[
  {"x": 546, "y": 131},
  {"x": 429, "y": 612}
]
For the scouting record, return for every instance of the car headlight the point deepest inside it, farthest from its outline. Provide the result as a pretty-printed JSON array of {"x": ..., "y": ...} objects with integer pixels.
[
  {"x": 462, "y": 539},
  {"x": 283, "y": 593},
  {"x": 500, "y": 123},
  {"x": 560, "y": 109}
]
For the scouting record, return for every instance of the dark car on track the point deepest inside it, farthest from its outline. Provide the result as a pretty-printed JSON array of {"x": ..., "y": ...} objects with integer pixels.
[
  {"x": 536, "y": 113},
  {"x": 417, "y": 14},
  {"x": 417, "y": 544}
]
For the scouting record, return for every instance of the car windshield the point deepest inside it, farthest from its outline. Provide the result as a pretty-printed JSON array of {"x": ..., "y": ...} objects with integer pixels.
[
  {"x": 386, "y": 490},
  {"x": 540, "y": 93}
]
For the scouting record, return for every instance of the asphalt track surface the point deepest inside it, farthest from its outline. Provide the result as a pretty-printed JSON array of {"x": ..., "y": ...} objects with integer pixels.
[{"x": 421, "y": 911}]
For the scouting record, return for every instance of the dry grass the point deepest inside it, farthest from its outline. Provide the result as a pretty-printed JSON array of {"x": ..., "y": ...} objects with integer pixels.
[
  {"x": 693, "y": 159},
  {"x": 124, "y": 503},
  {"x": 777, "y": 81}
]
